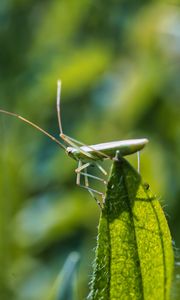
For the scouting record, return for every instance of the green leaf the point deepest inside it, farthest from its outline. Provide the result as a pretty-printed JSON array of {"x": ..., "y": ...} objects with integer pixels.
[{"x": 134, "y": 256}]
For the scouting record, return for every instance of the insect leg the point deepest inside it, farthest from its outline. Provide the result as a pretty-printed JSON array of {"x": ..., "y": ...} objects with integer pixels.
[
  {"x": 94, "y": 177},
  {"x": 116, "y": 158},
  {"x": 86, "y": 186},
  {"x": 78, "y": 178},
  {"x": 86, "y": 175},
  {"x": 89, "y": 190},
  {"x": 81, "y": 166},
  {"x": 101, "y": 168},
  {"x": 138, "y": 161},
  {"x": 78, "y": 171}
]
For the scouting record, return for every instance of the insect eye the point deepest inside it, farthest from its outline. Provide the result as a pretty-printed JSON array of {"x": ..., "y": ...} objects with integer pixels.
[{"x": 69, "y": 150}]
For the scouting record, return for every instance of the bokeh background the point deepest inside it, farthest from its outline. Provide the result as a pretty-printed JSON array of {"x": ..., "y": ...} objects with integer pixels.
[{"x": 119, "y": 65}]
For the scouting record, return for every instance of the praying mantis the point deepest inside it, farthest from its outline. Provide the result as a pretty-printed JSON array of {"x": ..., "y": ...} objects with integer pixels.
[{"x": 88, "y": 155}]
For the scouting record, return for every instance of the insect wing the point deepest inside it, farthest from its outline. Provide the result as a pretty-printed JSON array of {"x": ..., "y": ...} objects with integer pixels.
[{"x": 125, "y": 147}]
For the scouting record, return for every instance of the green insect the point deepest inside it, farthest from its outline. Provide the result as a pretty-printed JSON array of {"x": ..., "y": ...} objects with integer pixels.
[{"x": 88, "y": 155}]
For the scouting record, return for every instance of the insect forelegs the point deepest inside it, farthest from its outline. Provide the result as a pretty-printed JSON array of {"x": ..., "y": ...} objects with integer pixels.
[{"x": 92, "y": 192}]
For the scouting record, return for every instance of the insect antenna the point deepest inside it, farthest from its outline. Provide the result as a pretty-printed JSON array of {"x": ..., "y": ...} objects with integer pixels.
[
  {"x": 58, "y": 106},
  {"x": 70, "y": 141},
  {"x": 35, "y": 126},
  {"x": 65, "y": 138}
]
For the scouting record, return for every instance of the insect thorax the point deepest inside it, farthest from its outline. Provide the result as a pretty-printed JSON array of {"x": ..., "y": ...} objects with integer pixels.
[
  {"x": 74, "y": 153},
  {"x": 79, "y": 155}
]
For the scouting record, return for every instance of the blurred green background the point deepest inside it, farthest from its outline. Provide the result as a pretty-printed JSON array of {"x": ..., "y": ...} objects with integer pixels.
[{"x": 119, "y": 65}]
